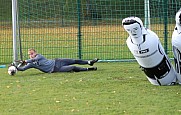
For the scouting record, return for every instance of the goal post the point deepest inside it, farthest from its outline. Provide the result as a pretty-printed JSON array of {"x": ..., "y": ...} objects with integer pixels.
[
  {"x": 17, "y": 47},
  {"x": 14, "y": 29}
]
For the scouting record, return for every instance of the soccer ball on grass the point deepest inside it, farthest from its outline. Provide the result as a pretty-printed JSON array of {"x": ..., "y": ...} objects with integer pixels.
[{"x": 12, "y": 70}]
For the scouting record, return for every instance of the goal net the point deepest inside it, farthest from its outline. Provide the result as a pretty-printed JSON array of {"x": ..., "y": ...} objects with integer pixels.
[{"x": 86, "y": 29}]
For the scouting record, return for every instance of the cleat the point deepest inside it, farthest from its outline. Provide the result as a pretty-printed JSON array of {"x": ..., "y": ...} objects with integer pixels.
[
  {"x": 92, "y": 69},
  {"x": 91, "y": 63}
]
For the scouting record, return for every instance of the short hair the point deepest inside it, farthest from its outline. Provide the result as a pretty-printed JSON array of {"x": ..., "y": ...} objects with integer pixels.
[{"x": 32, "y": 49}]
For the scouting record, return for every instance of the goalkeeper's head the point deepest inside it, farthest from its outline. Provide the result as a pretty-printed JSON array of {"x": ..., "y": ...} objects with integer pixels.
[
  {"x": 134, "y": 26},
  {"x": 32, "y": 53}
]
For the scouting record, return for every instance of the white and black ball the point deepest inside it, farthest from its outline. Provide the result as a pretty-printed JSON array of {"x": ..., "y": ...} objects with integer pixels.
[{"x": 12, "y": 70}]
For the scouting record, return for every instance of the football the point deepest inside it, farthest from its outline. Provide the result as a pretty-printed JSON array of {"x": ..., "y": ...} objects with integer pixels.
[{"x": 12, "y": 70}]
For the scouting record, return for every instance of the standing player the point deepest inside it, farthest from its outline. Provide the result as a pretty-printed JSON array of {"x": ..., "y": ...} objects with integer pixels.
[
  {"x": 176, "y": 45},
  {"x": 39, "y": 62},
  {"x": 145, "y": 46}
]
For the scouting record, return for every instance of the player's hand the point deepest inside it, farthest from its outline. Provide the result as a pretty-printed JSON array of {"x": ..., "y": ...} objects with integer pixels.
[{"x": 12, "y": 64}]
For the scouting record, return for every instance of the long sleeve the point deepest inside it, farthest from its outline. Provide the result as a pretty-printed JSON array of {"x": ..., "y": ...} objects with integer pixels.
[
  {"x": 28, "y": 66},
  {"x": 40, "y": 63}
]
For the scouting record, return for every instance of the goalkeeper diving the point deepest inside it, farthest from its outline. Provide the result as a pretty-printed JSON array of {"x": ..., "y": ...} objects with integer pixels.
[{"x": 39, "y": 62}]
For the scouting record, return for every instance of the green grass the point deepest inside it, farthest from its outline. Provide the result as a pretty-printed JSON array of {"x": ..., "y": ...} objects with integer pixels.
[{"x": 114, "y": 89}]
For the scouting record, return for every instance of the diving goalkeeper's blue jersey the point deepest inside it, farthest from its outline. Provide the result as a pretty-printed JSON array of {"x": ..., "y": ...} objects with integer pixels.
[{"x": 40, "y": 63}]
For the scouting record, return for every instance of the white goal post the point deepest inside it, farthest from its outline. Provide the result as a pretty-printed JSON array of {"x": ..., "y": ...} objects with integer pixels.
[
  {"x": 14, "y": 27},
  {"x": 16, "y": 31}
]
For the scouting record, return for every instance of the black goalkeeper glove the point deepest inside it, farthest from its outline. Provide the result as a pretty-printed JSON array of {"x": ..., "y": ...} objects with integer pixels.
[
  {"x": 12, "y": 64},
  {"x": 21, "y": 61}
]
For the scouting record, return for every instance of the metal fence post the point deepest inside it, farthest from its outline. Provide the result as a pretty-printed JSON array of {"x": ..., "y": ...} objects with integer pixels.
[
  {"x": 79, "y": 29},
  {"x": 165, "y": 25}
]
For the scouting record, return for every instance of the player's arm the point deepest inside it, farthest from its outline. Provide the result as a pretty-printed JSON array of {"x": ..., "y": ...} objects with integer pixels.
[{"x": 23, "y": 68}]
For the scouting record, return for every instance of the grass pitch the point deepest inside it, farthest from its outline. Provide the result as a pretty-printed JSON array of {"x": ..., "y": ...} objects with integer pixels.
[{"x": 114, "y": 89}]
